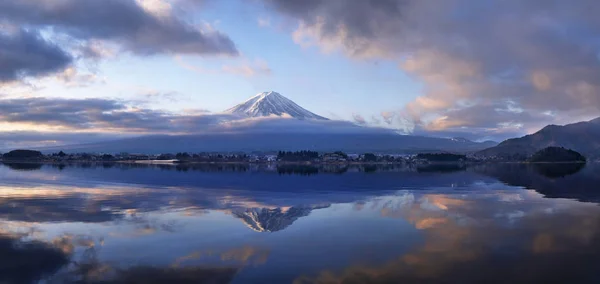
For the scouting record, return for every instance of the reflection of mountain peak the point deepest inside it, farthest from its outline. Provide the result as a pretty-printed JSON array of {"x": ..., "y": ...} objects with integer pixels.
[{"x": 273, "y": 220}]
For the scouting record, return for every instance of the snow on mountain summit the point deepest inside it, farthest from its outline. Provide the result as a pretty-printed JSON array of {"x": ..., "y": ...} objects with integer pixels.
[{"x": 272, "y": 103}]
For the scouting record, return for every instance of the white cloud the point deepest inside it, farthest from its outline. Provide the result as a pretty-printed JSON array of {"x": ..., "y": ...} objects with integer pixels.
[{"x": 264, "y": 22}]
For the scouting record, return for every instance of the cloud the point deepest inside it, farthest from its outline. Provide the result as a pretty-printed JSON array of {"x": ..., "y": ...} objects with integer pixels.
[
  {"x": 78, "y": 114},
  {"x": 32, "y": 260},
  {"x": 388, "y": 116},
  {"x": 29, "y": 139},
  {"x": 264, "y": 22},
  {"x": 249, "y": 69},
  {"x": 540, "y": 58},
  {"x": 135, "y": 26},
  {"x": 246, "y": 68},
  {"x": 39, "y": 38},
  {"x": 359, "y": 119},
  {"x": 27, "y": 54},
  {"x": 154, "y": 95},
  {"x": 72, "y": 77}
]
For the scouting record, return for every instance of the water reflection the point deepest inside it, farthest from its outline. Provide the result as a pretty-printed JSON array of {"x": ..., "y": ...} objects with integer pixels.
[
  {"x": 235, "y": 224},
  {"x": 573, "y": 181},
  {"x": 485, "y": 241},
  {"x": 558, "y": 170},
  {"x": 24, "y": 261},
  {"x": 273, "y": 220},
  {"x": 23, "y": 166}
]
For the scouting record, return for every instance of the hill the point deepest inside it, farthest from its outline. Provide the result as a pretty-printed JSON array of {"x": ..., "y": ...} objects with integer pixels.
[
  {"x": 583, "y": 137},
  {"x": 23, "y": 155},
  {"x": 556, "y": 155}
]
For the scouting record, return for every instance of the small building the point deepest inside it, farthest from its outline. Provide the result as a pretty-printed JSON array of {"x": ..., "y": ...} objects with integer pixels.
[{"x": 334, "y": 157}]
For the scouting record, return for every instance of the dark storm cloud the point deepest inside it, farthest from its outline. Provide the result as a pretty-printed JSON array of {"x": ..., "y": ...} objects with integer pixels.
[
  {"x": 124, "y": 22},
  {"x": 24, "y": 53},
  {"x": 541, "y": 57}
]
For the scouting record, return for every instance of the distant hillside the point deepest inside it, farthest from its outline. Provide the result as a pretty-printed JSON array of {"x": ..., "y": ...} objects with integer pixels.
[{"x": 583, "y": 137}]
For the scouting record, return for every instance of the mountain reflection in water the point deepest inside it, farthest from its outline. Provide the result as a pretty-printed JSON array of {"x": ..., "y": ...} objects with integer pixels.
[{"x": 116, "y": 223}]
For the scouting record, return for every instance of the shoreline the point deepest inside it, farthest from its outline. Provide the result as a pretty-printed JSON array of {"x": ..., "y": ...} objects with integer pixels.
[{"x": 175, "y": 162}]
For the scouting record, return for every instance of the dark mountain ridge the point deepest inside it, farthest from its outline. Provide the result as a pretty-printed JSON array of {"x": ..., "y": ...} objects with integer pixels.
[{"x": 583, "y": 137}]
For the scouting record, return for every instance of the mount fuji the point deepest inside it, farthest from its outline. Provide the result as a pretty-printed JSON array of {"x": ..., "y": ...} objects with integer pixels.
[
  {"x": 269, "y": 122},
  {"x": 272, "y": 104}
]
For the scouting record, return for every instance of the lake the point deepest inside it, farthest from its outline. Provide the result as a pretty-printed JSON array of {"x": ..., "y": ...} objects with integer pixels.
[{"x": 119, "y": 223}]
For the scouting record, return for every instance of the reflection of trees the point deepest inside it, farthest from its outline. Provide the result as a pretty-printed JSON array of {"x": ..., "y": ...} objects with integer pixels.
[
  {"x": 573, "y": 181},
  {"x": 23, "y": 166},
  {"x": 235, "y": 167},
  {"x": 297, "y": 170},
  {"x": 369, "y": 168},
  {"x": 442, "y": 168},
  {"x": 553, "y": 170}
]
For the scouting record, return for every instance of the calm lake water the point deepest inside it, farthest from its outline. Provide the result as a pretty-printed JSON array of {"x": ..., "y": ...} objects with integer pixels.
[{"x": 248, "y": 224}]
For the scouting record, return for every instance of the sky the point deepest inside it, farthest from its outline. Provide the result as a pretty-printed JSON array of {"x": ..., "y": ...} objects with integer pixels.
[{"x": 74, "y": 71}]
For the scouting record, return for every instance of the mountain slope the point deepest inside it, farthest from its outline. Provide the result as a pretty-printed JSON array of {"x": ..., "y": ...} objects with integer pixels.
[
  {"x": 583, "y": 137},
  {"x": 276, "y": 124},
  {"x": 271, "y": 141},
  {"x": 272, "y": 103}
]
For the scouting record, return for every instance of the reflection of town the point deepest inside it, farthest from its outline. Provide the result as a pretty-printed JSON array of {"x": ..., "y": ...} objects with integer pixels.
[{"x": 46, "y": 227}]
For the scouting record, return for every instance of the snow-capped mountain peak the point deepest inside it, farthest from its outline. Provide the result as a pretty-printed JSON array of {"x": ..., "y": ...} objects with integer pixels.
[{"x": 272, "y": 103}]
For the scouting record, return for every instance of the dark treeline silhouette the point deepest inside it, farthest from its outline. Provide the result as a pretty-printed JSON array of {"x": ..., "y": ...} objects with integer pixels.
[
  {"x": 304, "y": 156},
  {"x": 205, "y": 157},
  {"x": 555, "y": 155},
  {"x": 298, "y": 156},
  {"x": 369, "y": 157},
  {"x": 441, "y": 168},
  {"x": 298, "y": 170},
  {"x": 23, "y": 155}
]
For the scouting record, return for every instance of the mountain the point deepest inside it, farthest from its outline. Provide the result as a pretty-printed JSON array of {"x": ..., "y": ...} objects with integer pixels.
[
  {"x": 272, "y": 104},
  {"x": 487, "y": 143},
  {"x": 583, "y": 137},
  {"x": 273, "y": 220},
  {"x": 270, "y": 122},
  {"x": 249, "y": 141}
]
